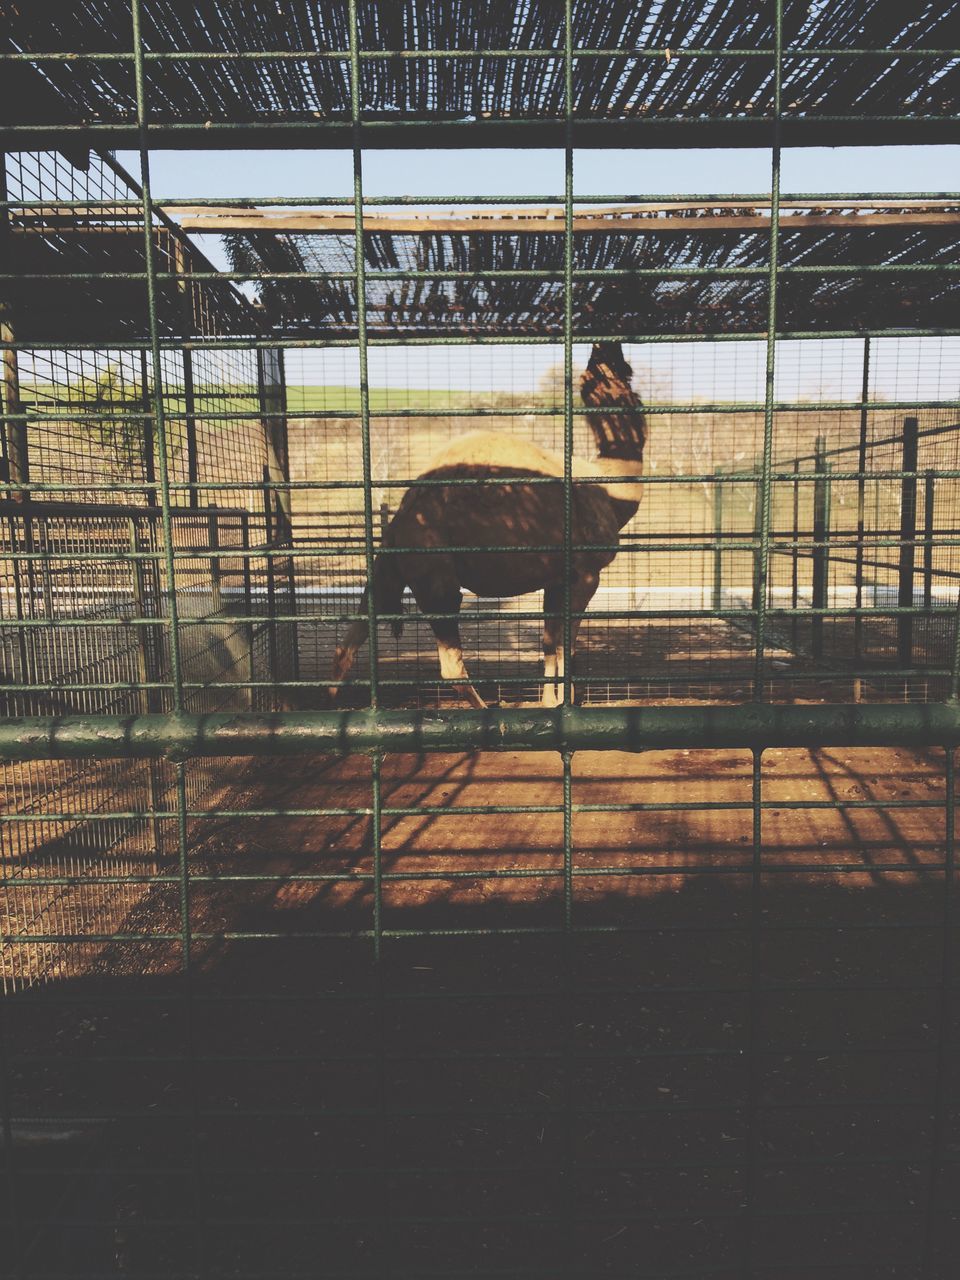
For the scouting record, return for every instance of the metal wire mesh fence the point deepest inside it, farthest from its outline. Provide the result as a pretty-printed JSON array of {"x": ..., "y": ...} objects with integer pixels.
[
  {"x": 383, "y": 987},
  {"x": 86, "y": 584}
]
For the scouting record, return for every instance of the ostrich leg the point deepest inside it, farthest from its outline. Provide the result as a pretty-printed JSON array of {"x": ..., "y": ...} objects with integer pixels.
[
  {"x": 447, "y": 598},
  {"x": 583, "y": 588}
]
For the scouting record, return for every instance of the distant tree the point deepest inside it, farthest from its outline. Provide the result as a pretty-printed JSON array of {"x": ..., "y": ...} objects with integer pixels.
[
  {"x": 107, "y": 401},
  {"x": 551, "y": 382}
]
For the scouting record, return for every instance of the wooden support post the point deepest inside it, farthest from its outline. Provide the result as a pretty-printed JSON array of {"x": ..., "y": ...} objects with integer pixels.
[
  {"x": 821, "y": 552},
  {"x": 14, "y": 428},
  {"x": 908, "y": 542}
]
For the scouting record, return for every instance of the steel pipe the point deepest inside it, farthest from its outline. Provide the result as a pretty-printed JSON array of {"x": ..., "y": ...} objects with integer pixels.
[{"x": 750, "y": 727}]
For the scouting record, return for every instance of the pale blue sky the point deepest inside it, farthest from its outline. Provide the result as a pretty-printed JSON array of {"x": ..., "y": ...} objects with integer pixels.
[{"x": 540, "y": 172}]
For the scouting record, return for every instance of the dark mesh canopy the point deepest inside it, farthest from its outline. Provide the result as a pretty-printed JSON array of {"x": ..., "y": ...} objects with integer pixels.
[
  {"x": 912, "y": 245},
  {"x": 667, "y": 61}
]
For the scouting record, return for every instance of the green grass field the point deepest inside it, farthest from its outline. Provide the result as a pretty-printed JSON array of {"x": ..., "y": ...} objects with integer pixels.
[
  {"x": 305, "y": 399},
  {"x": 300, "y": 398}
]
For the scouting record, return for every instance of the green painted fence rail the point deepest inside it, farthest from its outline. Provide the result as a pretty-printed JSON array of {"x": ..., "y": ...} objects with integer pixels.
[{"x": 571, "y": 728}]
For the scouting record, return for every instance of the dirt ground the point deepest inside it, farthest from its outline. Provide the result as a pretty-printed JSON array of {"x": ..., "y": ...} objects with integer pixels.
[{"x": 718, "y": 1070}]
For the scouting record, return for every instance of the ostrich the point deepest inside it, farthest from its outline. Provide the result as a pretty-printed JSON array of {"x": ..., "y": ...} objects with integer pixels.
[{"x": 512, "y": 515}]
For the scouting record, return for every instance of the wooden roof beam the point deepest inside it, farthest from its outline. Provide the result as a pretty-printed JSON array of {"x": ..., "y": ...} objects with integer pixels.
[{"x": 310, "y": 222}]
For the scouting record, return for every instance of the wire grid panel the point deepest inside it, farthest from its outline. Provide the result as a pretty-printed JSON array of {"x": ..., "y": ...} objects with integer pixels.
[
  {"x": 87, "y": 582},
  {"x": 72, "y": 871},
  {"x": 86, "y": 631},
  {"x": 77, "y": 232},
  {"x": 878, "y": 539},
  {"x": 65, "y": 563}
]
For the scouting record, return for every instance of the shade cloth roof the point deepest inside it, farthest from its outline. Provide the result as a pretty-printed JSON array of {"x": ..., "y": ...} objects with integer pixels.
[
  {"x": 825, "y": 252},
  {"x": 664, "y": 90}
]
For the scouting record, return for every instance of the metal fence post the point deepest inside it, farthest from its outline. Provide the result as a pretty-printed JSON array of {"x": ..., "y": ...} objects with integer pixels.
[
  {"x": 28, "y": 598},
  {"x": 270, "y": 541},
  {"x": 149, "y": 441},
  {"x": 143, "y": 604},
  {"x": 251, "y": 632},
  {"x": 272, "y": 404},
  {"x": 185, "y": 301},
  {"x": 16, "y": 453},
  {"x": 146, "y": 671},
  {"x": 861, "y": 508},
  {"x": 272, "y": 401},
  {"x": 46, "y": 577},
  {"x": 758, "y": 541},
  {"x": 216, "y": 576},
  {"x": 821, "y": 552},
  {"x": 908, "y": 542},
  {"x": 718, "y": 542},
  {"x": 14, "y": 426},
  {"x": 795, "y": 559}
]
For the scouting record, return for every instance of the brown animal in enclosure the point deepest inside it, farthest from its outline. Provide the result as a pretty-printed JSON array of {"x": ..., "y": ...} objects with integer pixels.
[{"x": 514, "y": 514}]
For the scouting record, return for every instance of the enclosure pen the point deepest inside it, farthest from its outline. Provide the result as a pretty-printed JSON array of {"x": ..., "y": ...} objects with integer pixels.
[{"x": 307, "y": 969}]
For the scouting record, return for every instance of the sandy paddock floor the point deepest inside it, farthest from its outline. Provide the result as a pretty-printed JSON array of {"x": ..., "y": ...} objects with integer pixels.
[{"x": 714, "y": 1066}]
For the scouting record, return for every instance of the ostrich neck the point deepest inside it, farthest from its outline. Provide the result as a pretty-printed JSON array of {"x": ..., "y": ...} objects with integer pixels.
[
  {"x": 620, "y": 427},
  {"x": 619, "y": 437},
  {"x": 627, "y": 493}
]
